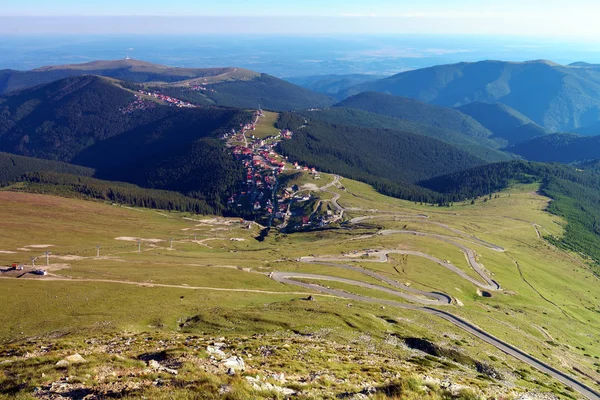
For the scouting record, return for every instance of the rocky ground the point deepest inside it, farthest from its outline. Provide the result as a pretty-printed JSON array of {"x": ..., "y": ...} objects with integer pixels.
[{"x": 281, "y": 365}]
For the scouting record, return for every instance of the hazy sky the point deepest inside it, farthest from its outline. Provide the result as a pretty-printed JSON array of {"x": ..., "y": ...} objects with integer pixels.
[{"x": 512, "y": 17}]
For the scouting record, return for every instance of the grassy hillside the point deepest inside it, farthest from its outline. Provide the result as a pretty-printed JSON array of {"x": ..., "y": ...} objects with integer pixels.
[
  {"x": 563, "y": 147},
  {"x": 389, "y": 160},
  {"x": 125, "y": 308},
  {"x": 575, "y": 194},
  {"x": 419, "y": 112},
  {"x": 230, "y": 87},
  {"x": 128, "y": 70},
  {"x": 557, "y": 97},
  {"x": 13, "y": 167},
  {"x": 483, "y": 148},
  {"x": 503, "y": 121}
]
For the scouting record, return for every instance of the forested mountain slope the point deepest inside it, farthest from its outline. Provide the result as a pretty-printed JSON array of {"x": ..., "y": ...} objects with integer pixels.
[
  {"x": 557, "y": 97},
  {"x": 504, "y": 122},
  {"x": 560, "y": 147},
  {"x": 90, "y": 121},
  {"x": 483, "y": 148},
  {"x": 263, "y": 91},
  {"x": 13, "y": 167},
  {"x": 389, "y": 160},
  {"x": 417, "y": 111},
  {"x": 332, "y": 85}
]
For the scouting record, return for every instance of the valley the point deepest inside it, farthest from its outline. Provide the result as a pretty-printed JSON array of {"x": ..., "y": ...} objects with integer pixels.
[
  {"x": 222, "y": 259},
  {"x": 176, "y": 232}
]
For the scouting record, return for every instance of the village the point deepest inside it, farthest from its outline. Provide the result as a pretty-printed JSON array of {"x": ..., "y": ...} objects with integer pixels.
[
  {"x": 259, "y": 196},
  {"x": 260, "y": 193}
]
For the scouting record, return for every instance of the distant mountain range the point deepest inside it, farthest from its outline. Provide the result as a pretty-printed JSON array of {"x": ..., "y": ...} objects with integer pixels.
[
  {"x": 233, "y": 87},
  {"x": 557, "y": 97},
  {"x": 333, "y": 85}
]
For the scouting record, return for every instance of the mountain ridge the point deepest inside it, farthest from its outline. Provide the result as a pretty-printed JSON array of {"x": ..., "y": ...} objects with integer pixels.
[
  {"x": 503, "y": 121},
  {"x": 557, "y": 97},
  {"x": 227, "y": 86}
]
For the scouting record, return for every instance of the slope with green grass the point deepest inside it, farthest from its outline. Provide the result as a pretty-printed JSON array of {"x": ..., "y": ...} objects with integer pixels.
[
  {"x": 168, "y": 304},
  {"x": 127, "y": 69},
  {"x": 575, "y": 195}
]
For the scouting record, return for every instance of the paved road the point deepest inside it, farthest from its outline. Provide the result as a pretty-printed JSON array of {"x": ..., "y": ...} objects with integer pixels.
[
  {"x": 288, "y": 277},
  {"x": 381, "y": 256},
  {"x": 421, "y": 297}
]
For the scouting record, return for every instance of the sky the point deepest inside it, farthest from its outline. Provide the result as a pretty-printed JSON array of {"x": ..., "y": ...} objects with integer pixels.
[{"x": 549, "y": 18}]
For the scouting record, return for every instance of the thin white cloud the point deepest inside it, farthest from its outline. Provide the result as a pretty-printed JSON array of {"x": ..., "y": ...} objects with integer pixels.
[{"x": 451, "y": 15}]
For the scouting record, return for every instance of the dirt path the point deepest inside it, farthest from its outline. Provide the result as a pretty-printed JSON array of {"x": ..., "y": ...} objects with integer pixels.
[{"x": 55, "y": 278}]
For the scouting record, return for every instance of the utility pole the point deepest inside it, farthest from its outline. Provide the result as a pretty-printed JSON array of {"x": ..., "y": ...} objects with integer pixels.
[
  {"x": 47, "y": 253},
  {"x": 139, "y": 242},
  {"x": 98, "y": 247}
]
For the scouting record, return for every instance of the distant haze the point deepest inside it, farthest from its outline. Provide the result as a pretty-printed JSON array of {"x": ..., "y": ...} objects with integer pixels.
[
  {"x": 541, "y": 24},
  {"x": 555, "y": 18},
  {"x": 290, "y": 55}
]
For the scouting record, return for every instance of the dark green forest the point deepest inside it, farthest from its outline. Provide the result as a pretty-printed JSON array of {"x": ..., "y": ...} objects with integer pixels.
[
  {"x": 416, "y": 111},
  {"x": 560, "y": 147},
  {"x": 115, "y": 192},
  {"x": 12, "y": 167},
  {"x": 392, "y": 161},
  {"x": 480, "y": 147},
  {"x": 504, "y": 122}
]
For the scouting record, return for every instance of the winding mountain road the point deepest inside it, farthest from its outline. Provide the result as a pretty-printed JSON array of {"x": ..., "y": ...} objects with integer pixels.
[{"x": 424, "y": 299}]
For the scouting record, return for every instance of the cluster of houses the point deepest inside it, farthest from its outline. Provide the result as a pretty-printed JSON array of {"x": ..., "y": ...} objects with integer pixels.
[
  {"x": 139, "y": 104},
  {"x": 168, "y": 99},
  {"x": 201, "y": 88},
  {"x": 259, "y": 192},
  {"x": 262, "y": 166}
]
